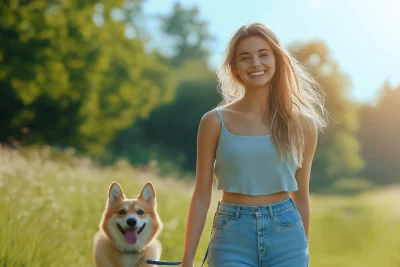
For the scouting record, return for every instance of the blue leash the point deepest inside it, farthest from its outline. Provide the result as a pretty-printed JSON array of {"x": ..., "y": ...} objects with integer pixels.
[
  {"x": 170, "y": 263},
  {"x": 163, "y": 262},
  {"x": 176, "y": 262}
]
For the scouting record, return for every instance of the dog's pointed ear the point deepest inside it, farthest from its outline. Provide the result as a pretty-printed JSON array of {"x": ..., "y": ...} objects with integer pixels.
[
  {"x": 115, "y": 193},
  {"x": 148, "y": 193}
]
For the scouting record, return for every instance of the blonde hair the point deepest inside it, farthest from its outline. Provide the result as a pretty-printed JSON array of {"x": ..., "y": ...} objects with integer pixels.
[{"x": 294, "y": 92}]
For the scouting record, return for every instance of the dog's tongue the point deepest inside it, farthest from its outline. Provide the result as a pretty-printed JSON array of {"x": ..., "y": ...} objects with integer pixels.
[{"x": 131, "y": 236}]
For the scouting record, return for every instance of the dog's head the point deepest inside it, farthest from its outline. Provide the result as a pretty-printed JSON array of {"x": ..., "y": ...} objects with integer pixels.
[{"x": 131, "y": 224}]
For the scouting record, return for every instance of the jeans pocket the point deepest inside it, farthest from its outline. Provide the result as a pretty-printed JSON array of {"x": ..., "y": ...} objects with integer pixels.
[
  {"x": 288, "y": 217},
  {"x": 222, "y": 221}
]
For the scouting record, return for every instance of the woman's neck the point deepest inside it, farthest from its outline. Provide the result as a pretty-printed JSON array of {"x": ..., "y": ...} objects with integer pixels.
[{"x": 256, "y": 99}]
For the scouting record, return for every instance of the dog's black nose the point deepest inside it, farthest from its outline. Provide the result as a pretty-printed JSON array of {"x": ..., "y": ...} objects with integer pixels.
[{"x": 131, "y": 222}]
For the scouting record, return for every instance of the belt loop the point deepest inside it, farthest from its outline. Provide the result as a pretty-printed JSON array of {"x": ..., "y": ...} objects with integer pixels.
[
  {"x": 237, "y": 212},
  {"x": 271, "y": 211}
]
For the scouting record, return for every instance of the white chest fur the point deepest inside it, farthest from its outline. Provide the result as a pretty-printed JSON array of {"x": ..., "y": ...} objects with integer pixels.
[{"x": 130, "y": 261}]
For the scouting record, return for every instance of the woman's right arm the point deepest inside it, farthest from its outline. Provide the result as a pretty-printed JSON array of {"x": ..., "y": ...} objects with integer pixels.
[{"x": 207, "y": 141}]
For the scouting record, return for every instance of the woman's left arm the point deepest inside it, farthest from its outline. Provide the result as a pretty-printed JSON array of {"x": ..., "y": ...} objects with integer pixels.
[{"x": 302, "y": 196}]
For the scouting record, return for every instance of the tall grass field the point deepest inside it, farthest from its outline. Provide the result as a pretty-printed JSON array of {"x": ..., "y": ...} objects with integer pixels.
[{"x": 51, "y": 204}]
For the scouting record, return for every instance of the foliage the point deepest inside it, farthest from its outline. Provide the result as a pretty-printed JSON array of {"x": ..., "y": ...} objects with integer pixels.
[
  {"x": 337, "y": 152},
  {"x": 189, "y": 32},
  {"x": 70, "y": 76},
  {"x": 379, "y": 137},
  {"x": 169, "y": 134}
]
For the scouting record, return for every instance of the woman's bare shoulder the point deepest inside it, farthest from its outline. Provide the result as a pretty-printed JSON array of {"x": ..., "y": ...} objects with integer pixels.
[
  {"x": 210, "y": 124},
  {"x": 210, "y": 119}
]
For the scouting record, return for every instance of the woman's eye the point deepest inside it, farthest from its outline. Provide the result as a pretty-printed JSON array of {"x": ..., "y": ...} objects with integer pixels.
[
  {"x": 244, "y": 58},
  {"x": 140, "y": 212},
  {"x": 264, "y": 55},
  {"x": 122, "y": 212}
]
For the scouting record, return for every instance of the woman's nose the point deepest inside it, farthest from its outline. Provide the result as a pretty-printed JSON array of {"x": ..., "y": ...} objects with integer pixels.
[{"x": 256, "y": 62}]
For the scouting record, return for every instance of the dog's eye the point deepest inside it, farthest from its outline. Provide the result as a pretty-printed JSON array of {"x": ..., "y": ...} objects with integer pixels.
[
  {"x": 140, "y": 212},
  {"x": 122, "y": 212}
]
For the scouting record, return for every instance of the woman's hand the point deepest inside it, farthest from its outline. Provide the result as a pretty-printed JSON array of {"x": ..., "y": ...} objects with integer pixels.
[{"x": 187, "y": 264}]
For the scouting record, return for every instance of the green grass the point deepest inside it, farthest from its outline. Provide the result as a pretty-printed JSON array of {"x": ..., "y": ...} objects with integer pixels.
[{"x": 51, "y": 204}]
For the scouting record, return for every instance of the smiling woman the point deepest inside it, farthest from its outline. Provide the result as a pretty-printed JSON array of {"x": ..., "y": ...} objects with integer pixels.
[
  {"x": 259, "y": 145},
  {"x": 255, "y": 62}
]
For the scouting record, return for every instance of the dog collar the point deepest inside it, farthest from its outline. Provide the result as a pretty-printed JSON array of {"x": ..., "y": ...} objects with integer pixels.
[
  {"x": 134, "y": 252},
  {"x": 140, "y": 257}
]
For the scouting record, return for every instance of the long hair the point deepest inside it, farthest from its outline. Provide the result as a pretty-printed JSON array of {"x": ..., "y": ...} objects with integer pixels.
[{"x": 294, "y": 92}]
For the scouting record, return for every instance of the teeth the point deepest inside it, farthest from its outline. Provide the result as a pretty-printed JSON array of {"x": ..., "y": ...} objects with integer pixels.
[{"x": 258, "y": 73}]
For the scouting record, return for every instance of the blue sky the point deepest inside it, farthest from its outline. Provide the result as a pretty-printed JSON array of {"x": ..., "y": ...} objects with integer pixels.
[{"x": 363, "y": 36}]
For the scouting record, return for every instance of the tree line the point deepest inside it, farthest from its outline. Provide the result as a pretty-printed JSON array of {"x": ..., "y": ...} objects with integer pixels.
[{"x": 82, "y": 74}]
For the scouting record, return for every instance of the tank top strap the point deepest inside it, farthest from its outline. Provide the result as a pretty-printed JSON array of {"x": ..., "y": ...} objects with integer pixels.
[{"x": 220, "y": 115}]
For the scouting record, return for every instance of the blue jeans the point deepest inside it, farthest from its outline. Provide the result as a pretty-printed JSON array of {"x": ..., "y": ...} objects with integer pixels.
[{"x": 271, "y": 235}]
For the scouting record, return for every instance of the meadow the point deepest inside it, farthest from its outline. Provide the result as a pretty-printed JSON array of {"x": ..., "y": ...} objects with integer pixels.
[{"x": 51, "y": 204}]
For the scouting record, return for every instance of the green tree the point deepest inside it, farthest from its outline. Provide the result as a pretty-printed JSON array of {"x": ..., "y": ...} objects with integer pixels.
[
  {"x": 70, "y": 75},
  {"x": 379, "y": 137},
  {"x": 189, "y": 33},
  {"x": 169, "y": 134},
  {"x": 337, "y": 153}
]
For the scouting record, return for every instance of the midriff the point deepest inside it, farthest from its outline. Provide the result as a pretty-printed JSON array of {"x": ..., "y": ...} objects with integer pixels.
[{"x": 248, "y": 200}]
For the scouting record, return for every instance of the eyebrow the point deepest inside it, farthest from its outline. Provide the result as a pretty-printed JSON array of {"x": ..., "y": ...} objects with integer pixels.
[{"x": 247, "y": 53}]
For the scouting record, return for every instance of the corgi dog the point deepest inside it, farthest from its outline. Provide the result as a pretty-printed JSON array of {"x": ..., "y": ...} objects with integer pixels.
[{"x": 128, "y": 229}]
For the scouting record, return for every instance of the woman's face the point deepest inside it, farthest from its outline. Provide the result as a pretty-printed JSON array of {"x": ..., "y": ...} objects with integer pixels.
[{"x": 254, "y": 62}]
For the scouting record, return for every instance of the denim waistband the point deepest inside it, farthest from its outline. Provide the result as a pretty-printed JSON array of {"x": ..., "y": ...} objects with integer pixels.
[{"x": 263, "y": 209}]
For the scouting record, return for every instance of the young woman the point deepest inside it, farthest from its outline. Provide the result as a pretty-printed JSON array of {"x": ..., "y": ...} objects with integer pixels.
[{"x": 259, "y": 144}]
